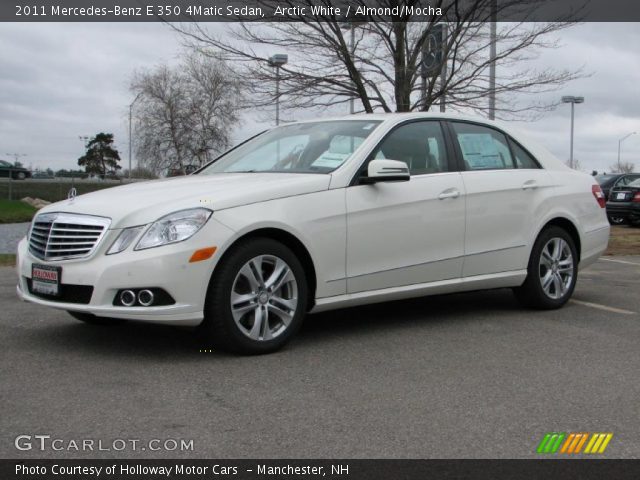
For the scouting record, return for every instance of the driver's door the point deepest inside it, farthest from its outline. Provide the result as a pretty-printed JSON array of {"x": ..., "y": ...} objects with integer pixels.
[{"x": 407, "y": 233}]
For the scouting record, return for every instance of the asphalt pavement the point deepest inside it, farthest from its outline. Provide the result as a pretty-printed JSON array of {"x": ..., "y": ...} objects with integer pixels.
[
  {"x": 10, "y": 236},
  {"x": 457, "y": 376}
]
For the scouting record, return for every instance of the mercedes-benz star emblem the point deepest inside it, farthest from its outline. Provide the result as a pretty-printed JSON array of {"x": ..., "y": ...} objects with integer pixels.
[{"x": 72, "y": 193}]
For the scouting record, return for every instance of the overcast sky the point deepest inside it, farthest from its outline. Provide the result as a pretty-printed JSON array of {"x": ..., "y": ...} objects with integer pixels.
[{"x": 62, "y": 81}]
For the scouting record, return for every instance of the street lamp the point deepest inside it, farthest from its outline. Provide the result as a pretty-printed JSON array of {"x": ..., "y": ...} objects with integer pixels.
[
  {"x": 278, "y": 60},
  {"x": 620, "y": 145},
  {"x": 130, "y": 134},
  {"x": 572, "y": 100},
  {"x": 351, "y": 26}
]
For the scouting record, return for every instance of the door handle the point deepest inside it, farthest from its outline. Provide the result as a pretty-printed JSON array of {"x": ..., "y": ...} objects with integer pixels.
[
  {"x": 449, "y": 193},
  {"x": 529, "y": 184}
]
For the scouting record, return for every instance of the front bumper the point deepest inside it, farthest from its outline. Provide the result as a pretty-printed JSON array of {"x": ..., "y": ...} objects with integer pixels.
[{"x": 165, "y": 267}]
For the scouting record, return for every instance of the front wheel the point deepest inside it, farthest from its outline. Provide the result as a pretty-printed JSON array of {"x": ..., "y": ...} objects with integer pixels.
[
  {"x": 552, "y": 271},
  {"x": 257, "y": 298}
]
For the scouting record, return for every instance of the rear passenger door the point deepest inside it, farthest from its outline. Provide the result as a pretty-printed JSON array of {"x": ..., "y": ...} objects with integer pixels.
[{"x": 505, "y": 192}]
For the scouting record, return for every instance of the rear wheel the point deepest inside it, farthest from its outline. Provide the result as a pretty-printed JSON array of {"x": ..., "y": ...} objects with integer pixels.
[
  {"x": 257, "y": 298},
  {"x": 552, "y": 271},
  {"x": 94, "y": 320}
]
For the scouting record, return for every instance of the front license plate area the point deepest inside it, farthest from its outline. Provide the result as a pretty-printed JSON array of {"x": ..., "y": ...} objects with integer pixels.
[{"x": 45, "y": 279}]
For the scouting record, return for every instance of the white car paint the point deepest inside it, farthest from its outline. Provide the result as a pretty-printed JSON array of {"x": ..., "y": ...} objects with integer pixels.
[{"x": 437, "y": 233}]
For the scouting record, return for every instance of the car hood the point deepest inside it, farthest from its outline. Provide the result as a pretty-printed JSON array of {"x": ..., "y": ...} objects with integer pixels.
[{"x": 144, "y": 202}]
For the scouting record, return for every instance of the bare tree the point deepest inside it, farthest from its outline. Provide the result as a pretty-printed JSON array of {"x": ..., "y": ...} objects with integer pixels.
[
  {"x": 381, "y": 70},
  {"x": 185, "y": 113},
  {"x": 624, "y": 167}
]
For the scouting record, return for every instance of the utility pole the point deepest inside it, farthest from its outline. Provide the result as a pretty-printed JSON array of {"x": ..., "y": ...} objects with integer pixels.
[
  {"x": 443, "y": 70},
  {"x": 130, "y": 130},
  {"x": 492, "y": 59}
]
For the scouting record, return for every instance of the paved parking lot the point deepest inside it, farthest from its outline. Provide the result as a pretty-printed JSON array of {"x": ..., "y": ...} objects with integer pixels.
[{"x": 465, "y": 375}]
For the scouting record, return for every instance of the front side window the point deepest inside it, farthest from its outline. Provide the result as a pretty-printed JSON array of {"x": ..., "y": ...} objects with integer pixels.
[
  {"x": 418, "y": 144},
  {"x": 318, "y": 147},
  {"x": 482, "y": 148}
]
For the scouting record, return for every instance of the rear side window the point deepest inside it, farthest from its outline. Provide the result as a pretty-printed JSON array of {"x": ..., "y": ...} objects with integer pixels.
[
  {"x": 624, "y": 181},
  {"x": 482, "y": 148},
  {"x": 523, "y": 159}
]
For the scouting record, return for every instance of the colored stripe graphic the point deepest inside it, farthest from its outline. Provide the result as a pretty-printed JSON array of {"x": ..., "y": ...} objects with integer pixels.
[
  {"x": 573, "y": 443},
  {"x": 551, "y": 442},
  {"x": 598, "y": 442}
]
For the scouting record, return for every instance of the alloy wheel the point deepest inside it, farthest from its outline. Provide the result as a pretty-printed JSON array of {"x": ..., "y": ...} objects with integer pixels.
[
  {"x": 556, "y": 269},
  {"x": 264, "y": 297}
]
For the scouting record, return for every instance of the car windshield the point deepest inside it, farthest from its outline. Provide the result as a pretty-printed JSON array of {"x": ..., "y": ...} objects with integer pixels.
[
  {"x": 4, "y": 164},
  {"x": 635, "y": 183},
  {"x": 318, "y": 147}
]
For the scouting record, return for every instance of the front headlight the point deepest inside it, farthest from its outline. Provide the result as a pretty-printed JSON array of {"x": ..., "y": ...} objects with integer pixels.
[{"x": 173, "y": 228}]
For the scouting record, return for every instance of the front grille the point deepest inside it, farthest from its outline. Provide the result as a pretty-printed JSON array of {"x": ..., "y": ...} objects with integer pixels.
[
  {"x": 68, "y": 293},
  {"x": 60, "y": 236}
]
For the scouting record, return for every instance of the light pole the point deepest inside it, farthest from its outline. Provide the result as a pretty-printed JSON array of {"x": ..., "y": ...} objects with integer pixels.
[
  {"x": 277, "y": 61},
  {"x": 492, "y": 58},
  {"x": 572, "y": 100},
  {"x": 351, "y": 26},
  {"x": 620, "y": 145},
  {"x": 130, "y": 130}
]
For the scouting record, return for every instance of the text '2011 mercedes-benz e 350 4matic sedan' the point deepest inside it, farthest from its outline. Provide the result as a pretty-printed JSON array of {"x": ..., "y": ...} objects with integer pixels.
[{"x": 319, "y": 215}]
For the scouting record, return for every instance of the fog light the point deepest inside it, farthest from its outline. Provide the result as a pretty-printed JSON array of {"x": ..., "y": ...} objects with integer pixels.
[
  {"x": 145, "y": 297},
  {"x": 127, "y": 298}
]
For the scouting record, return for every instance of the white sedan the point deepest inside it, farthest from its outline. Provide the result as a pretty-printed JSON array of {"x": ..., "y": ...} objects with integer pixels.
[{"x": 320, "y": 215}]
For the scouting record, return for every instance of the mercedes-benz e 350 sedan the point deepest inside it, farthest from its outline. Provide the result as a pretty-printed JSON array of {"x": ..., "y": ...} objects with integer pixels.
[{"x": 320, "y": 215}]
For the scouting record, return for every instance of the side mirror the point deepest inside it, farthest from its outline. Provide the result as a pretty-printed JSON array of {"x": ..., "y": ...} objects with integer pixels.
[{"x": 386, "y": 171}]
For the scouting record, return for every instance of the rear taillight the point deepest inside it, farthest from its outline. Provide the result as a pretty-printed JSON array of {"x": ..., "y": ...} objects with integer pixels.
[
  {"x": 636, "y": 198},
  {"x": 597, "y": 192}
]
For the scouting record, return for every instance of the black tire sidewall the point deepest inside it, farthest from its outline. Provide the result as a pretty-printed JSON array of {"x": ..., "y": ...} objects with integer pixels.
[{"x": 219, "y": 324}]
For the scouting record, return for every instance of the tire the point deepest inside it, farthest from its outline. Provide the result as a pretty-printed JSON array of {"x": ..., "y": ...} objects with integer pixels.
[
  {"x": 93, "y": 320},
  {"x": 20, "y": 176},
  {"x": 616, "y": 220},
  {"x": 559, "y": 274},
  {"x": 242, "y": 329}
]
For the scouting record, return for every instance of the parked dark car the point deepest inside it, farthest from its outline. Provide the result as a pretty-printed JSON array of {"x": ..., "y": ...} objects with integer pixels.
[
  {"x": 42, "y": 176},
  {"x": 611, "y": 180},
  {"x": 624, "y": 203},
  {"x": 176, "y": 172},
  {"x": 17, "y": 173}
]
